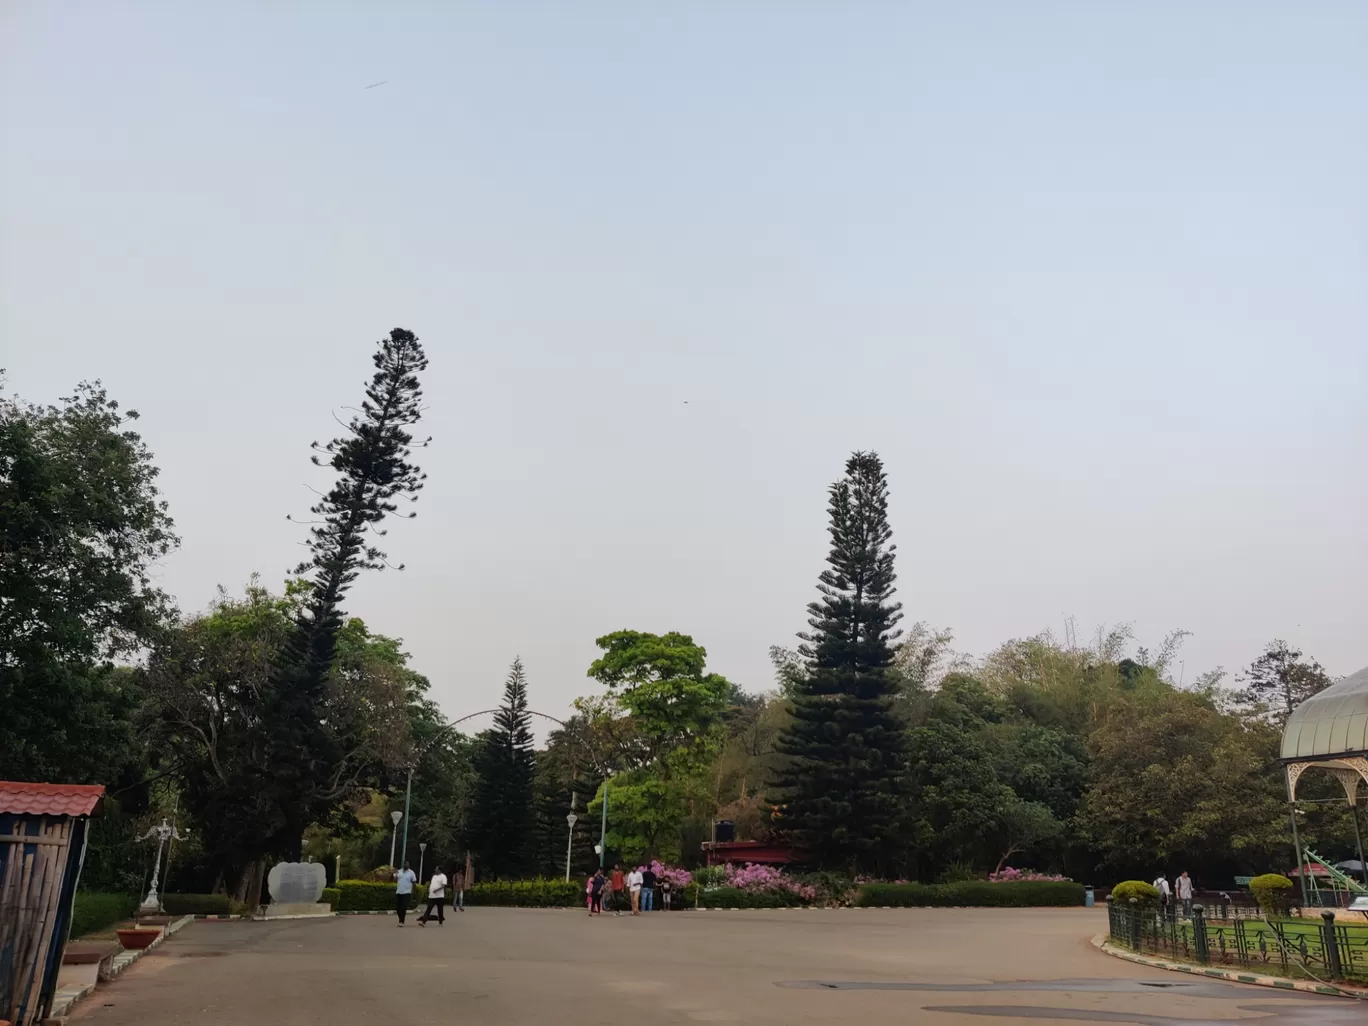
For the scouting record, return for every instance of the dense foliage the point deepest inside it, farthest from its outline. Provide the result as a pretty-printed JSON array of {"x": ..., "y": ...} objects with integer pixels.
[
  {"x": 96, "y": 911},
  {"x": 272, "y": 725}
]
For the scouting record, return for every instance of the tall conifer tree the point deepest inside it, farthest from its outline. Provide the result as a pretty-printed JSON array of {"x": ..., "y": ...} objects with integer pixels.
[
  {"x": 844, "y": 783},
  {"x": 504, "y": 835},
  {"x": 374, "y": 473}
]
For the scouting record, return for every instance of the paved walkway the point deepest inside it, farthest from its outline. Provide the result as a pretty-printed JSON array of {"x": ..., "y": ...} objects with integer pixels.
[{"x": 509, "y": 967}]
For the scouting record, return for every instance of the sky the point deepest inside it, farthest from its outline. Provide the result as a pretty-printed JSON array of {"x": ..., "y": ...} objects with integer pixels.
[{"x": 1091, "y": 278}]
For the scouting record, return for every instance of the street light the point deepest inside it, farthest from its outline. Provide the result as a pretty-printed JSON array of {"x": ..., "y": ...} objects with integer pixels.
[
  {"x": 422, "y": 850},
  {"x": 570, "y": 843},
  {"x": 395, "y": 817}
]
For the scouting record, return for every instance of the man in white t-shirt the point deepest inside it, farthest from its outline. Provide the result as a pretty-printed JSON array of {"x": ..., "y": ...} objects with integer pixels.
[
  {"x": 1185, "y": 893},
  {"x": 403, "y": 891},
  {"x": 436, "y": 898},
  {"x": 1161, "y": 885},
  {"x": 634, "y": 886}
]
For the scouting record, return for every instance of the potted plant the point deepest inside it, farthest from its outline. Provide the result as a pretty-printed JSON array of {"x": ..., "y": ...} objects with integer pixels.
[{"x": 138, "y": 937}]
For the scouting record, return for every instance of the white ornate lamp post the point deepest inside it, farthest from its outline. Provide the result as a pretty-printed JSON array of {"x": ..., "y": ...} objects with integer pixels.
[
  {"x": 163, "y": 833},
  {"x": 570, "y": 843},
  {"x": 422, "y": 853},
  {"x": 395, "y": 817}
]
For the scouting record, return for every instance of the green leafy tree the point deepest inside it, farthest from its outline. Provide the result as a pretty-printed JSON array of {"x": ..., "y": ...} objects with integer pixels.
[
  {"x": 374, "y": 473},
  {"x": 208, "y": 690},
  {"x": 1174, "y": 778},
  {"x": 82, "y": 526},
  {"x": 504, "y": 818},
  {"x": 665, "y": 711},
  {"x": 844, "y": 787},
  {"x": 1280, "y": 680}
]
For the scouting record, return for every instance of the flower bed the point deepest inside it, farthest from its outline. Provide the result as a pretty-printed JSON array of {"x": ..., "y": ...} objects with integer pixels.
[{"x": 980, "y": 893}]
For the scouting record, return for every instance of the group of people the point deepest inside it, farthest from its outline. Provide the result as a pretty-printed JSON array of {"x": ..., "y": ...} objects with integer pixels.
[
  {"x": 1182, "y": 891},
  {"x": 438, "y": 885},
  {"x": 635, "y": 891}
]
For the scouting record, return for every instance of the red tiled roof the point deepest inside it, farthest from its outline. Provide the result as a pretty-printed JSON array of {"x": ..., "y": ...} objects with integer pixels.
[{"x": 49, "y": 799}]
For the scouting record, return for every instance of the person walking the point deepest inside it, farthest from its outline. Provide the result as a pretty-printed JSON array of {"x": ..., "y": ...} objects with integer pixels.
[
  {"x": 665, "y": 890},
  {"x": 1185, "y": 893},
  {"x": 596, "y": 886},
  {"x": 618, "y": 884},
  {"x": 634, "y": 888},
  {"x": 403, "y": 891},
  {"x": 436, "y": 898},
  {"x": 1161, "y": 885},
  {"x": 458, "y": 889},
  {"x": 648, "y": 885}
]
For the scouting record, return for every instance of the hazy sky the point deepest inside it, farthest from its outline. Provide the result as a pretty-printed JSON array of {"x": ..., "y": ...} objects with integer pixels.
[{"x": 1092, "y": 278}]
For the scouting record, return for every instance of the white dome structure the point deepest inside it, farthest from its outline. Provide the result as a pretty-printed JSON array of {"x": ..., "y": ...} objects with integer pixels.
[{"x": 1329, "y": 731}]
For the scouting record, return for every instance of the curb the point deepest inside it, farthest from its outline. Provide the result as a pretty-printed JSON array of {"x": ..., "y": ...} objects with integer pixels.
[
  {"x": 1233, "y": 976},
  {"x": 66, "y": 997}
]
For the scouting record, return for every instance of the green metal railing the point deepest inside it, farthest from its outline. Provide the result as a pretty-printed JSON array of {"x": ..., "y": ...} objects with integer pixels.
[{"x": 1323, "y": 950}]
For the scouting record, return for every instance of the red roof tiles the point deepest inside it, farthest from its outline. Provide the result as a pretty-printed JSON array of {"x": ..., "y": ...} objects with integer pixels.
[{"x": 49, "y": 799}]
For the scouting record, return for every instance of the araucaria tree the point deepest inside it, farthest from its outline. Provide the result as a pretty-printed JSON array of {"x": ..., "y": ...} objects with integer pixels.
[
  {"x": 844, "y": 785},
  {"x": 504, "y": 824},
  {"x": 308, "y": 771}
]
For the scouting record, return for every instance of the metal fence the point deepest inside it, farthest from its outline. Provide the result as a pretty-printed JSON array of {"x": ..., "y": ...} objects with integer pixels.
[{"x": 1317, "y": 949}]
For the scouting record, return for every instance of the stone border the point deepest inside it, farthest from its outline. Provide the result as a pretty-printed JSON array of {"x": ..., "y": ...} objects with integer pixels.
[
  {"x": 66, "y": 997},
  {"x": 1233, "y": 976}
]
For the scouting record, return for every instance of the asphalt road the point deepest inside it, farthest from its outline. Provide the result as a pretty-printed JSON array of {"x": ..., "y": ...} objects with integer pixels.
[{"x": 507, "y": 967}]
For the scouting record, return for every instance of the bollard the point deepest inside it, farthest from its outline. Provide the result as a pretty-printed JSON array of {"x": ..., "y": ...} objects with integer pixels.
[
  {"x": 1134, "y": 924},
  {"x": 1088, "y": 899},
  {"x": 1111, "y": 918},
  {"x": 1331, "y": 944},
  {"x": 1199, "y": 937}
]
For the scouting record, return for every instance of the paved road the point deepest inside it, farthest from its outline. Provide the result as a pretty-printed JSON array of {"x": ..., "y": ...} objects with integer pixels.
[{"x": 508, "y": 967}]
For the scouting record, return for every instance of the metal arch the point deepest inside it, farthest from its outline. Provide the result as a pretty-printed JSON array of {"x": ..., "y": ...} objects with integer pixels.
[{"x": 423, "y": 749}]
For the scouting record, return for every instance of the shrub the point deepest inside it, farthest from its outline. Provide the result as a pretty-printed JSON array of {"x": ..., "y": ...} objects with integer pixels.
[
  {"x": 1273, "y": 892},
  {"x": 332, "y": 896},
  {"x": 735, "y": 897},
  {"x": 95, "y": 911},
  {"x": 753, "y": 877},
  {"x": 371, "y": 896},
  {"x": 539, "y": 893},
  {"x": 1145, "y": 894},
  {"x": 977, "y": 893},
  {"x": 197, "y": 904}
]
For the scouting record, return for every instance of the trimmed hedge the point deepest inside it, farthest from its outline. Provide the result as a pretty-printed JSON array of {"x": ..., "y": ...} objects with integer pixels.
[
  {"x": 1144, "y": 894},
  {"x": 95, "y": 911},
  {"x": 332, "y": 896},
  {"x": 371, "y": 896},
  {"x": 976, "y": 893},
  {"x": 527, "y": 894},
  {"x": 1273, "y": 892},
  {"x": 735, "y": 897},
  {"x": 197, "y": 904}
]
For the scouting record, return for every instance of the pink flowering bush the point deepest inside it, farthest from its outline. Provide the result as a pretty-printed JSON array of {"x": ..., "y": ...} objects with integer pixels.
[
  {"x": 1010, "y": 875},
  {"x": 754, "y": 877},
  {"x": 679, "y": 878}
]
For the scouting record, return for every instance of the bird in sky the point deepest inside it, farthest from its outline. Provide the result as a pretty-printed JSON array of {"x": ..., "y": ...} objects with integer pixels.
[{"x": 374, "y": 84}]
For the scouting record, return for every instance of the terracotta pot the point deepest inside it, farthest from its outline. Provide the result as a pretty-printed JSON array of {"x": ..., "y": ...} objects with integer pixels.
[{"x": 137, "y": 939}]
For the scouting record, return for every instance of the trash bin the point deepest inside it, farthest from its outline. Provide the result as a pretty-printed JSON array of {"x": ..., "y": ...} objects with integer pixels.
[{"x": 1088, "y": 901}]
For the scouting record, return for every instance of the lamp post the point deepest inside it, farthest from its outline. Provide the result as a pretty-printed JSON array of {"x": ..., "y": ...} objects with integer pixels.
[
  {"x": 603, "y": 826},
  {"x": 395, "y": 817},
  {"x": 163, "y": 833},
  {"x": 570, "y": 843},
  {"x": 422, "y": 852}
]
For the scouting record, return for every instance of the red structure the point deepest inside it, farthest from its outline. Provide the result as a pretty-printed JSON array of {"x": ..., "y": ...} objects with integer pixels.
[{"x": 721, "y": 852}]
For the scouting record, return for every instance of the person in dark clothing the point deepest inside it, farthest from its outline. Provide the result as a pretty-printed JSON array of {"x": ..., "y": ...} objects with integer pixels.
[
  {"x": 596, "y": 886},
  {"x": 648, "y": 882},
  {"x": 666, "y": 892}
]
